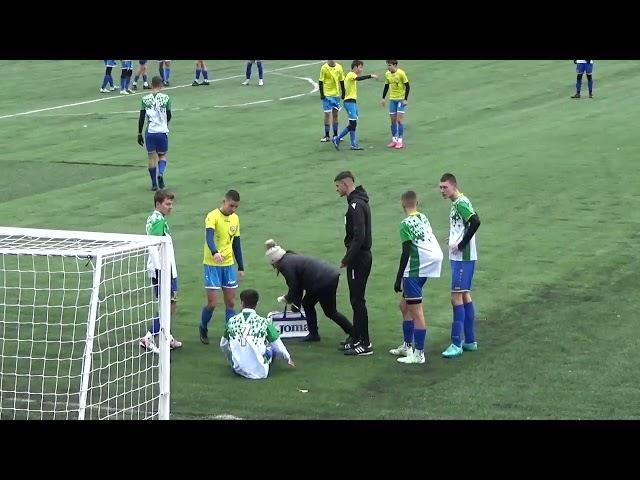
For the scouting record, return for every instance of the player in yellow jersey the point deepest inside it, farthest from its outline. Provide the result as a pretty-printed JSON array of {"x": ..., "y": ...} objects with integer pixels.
[
  {"x": 222, "y": 244},
  {"x": 350, "y": 105},
  {"x": 331, "y": 76},
  {"x": 397, "y": 80}
]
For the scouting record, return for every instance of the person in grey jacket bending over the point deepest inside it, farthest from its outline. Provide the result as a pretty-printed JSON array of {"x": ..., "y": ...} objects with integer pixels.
[{"x": 310, "y": 281}]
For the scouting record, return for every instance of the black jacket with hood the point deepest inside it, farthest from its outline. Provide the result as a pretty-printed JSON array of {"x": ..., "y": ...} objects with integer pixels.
[
  {"x": 357, "y": 225},
  {"x": 302, "y": 272}
]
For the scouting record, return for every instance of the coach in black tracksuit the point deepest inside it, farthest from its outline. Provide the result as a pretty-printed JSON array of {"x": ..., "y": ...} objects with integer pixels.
[
  {"x": 357, "y": 260},
  {"x": 316, "y": 280}
]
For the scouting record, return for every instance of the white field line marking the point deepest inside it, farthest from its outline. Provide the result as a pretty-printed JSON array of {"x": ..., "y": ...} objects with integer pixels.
[{"x": 166, "y": 88}]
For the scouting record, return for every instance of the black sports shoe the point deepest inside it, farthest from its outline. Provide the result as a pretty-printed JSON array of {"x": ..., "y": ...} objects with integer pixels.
[
  {"x": 204, "y": 336},
  {"x": 577, "y": 95},
  {"x": 154, "y": 188},
  {"x": 311, "y": 338},
  {"x": 160, "y": 181},
  {"x": 134, "y": 86},
  {"x": 195, "y": 84},
  {"x": 360, "y": 349},
  {"x": 348, "y": 345}
]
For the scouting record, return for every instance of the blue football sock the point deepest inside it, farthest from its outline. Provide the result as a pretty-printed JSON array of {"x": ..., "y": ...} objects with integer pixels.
[
  {"x": 268, "y": 353},
  {"x": 198, "y": 71},
  {"x": 335, "y": 129},
  {"x": 127, "y": 81},
  {"x": 228, "y": 313},
  {"x": 326, "y": 129},
  {"x": 407, "y": 331},
  {"x": 162, "y": 165},
  {"x": 144, "y": 78},
  {"x": 457, "y": 325},
  {"x": 469, "y": 327},
  {"x": 152, "y": 174},
  {"x": 578, "y": 85},
  {"x": 260, "y": 70},
  {"x": 400, "y": 130},
  {"x": 167, "y": 74},
  {"x": 590, "y": 84},
  {"x": 110, "y": 79},
  {"x": 248, "y": 73},
  {"x": 136, "y": 78},
  {"x": 394, "y": 129},
  {"x": 105, "y": 80},
  {"x": 155, "y": 326},
  {"x": 205, "y": 74},
  {"x": 352, "y": 136},
  {"x": 344, "y": 133},
  {"x": 122, "y": 80},
  {"x": 205, "y": 317},
  {"x": 420, "y": 335}
]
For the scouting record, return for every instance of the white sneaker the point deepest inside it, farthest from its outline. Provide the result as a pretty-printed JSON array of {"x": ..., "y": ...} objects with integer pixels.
[
  {"x": 246, "y": 82},
  {"x": 148, "y": 345},
  {"x": 402, "y": 351},
  {"x": 112, "y": 89},
  {"x": 173, "y": 343},
  {"x": 104, "y": 90},
  {"x": 260, "y": 83},
  {"x": 413, "y": 357},
  {"x": 124, "y": 92}
]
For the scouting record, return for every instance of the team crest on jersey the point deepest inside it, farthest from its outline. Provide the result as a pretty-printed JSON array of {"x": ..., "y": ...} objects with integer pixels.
[
  {"x": 353, "y": 205},
  {"x": 232, "y": 229}
]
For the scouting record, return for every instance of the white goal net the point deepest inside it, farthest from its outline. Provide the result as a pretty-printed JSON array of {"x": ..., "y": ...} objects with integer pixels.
[{"x": 73, "y": 306}]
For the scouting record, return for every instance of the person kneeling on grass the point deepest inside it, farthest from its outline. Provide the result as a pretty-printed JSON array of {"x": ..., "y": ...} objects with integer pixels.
[{"x": 250, "y": 341}]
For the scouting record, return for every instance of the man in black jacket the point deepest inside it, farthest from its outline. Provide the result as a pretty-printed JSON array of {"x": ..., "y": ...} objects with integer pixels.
[
  {"x": 313, "y": 278},
  {"x": 357, "y": 260}
]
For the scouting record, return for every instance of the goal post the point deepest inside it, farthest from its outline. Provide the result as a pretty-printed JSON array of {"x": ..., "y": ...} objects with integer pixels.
[{"x": 73, "y": 307}]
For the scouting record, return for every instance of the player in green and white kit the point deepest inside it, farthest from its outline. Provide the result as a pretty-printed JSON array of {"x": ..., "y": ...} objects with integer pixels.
[
  {"x": 250, "y": 341},
  {"x": 156, "y": 108},
  {"x": 464, "y": 222},
  {"x": 421, "y": 259},
  {"x": 157, "y": 225}
]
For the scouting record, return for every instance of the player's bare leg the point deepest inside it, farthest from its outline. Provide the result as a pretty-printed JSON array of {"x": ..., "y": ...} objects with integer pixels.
[{"x": 229, "y": 298}]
